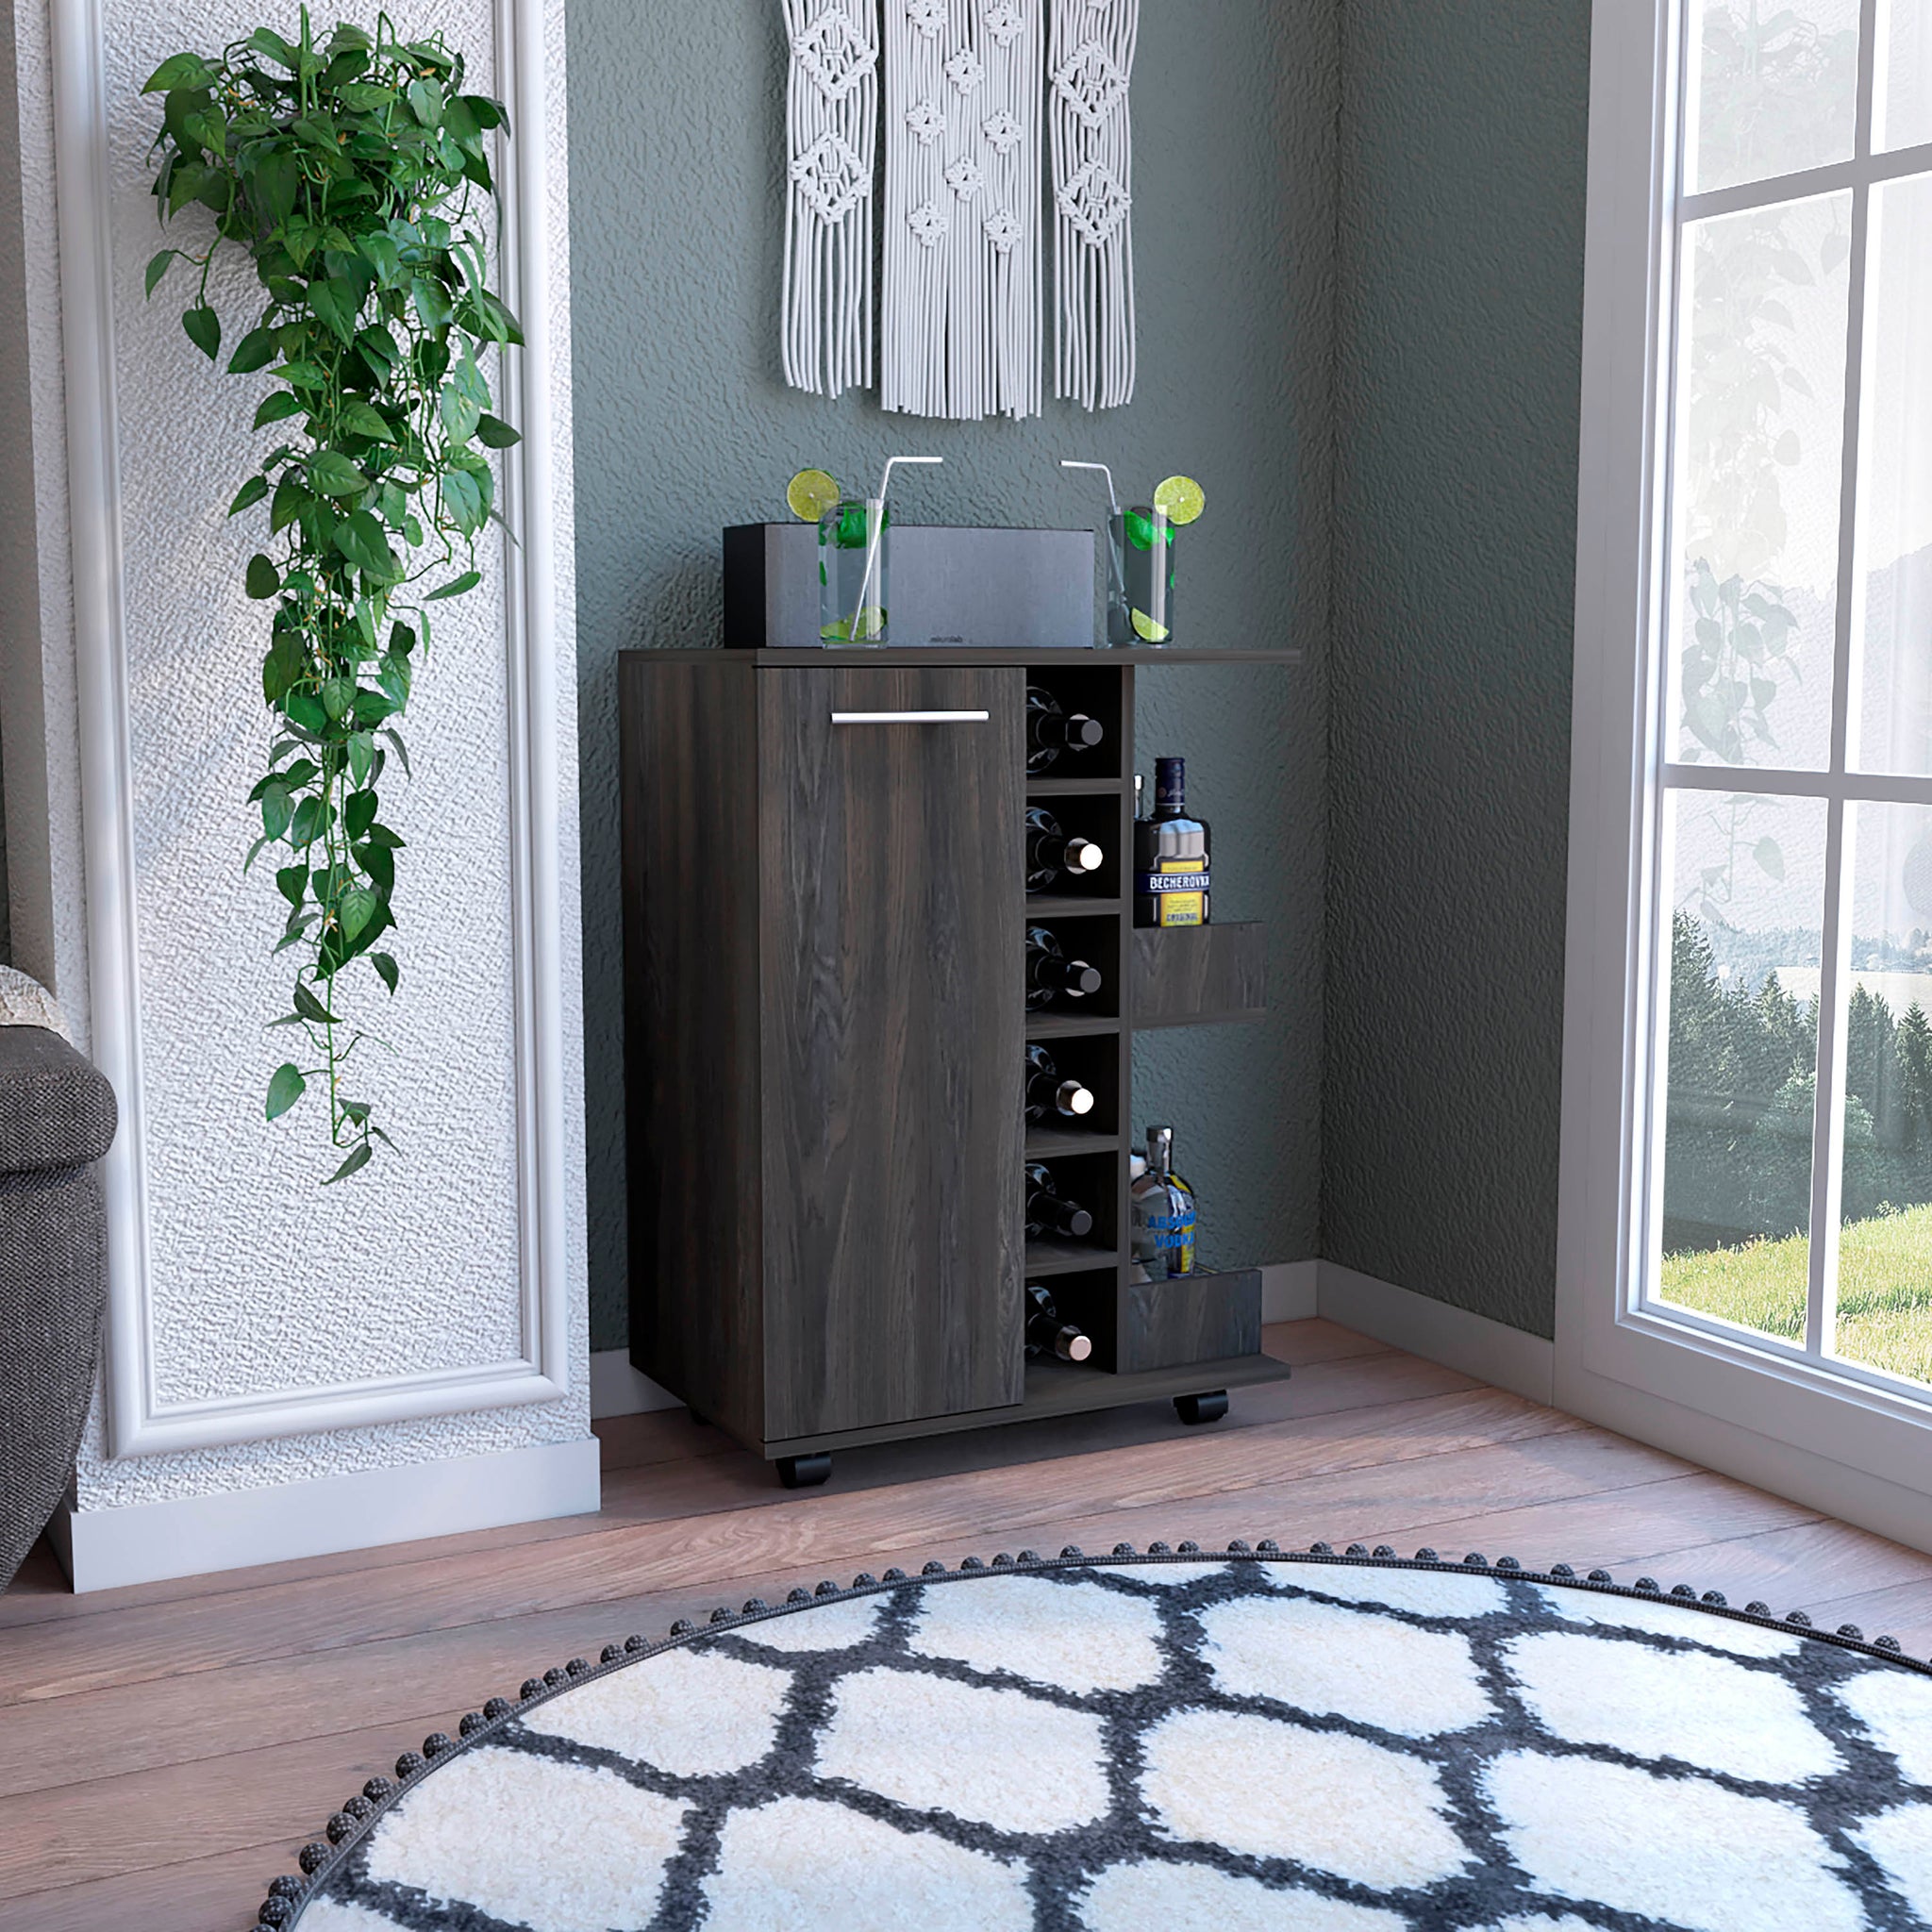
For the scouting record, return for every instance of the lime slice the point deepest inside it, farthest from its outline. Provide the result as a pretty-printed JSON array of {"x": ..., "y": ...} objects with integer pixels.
[
  {"x": 1144, "y": 626},
  {"x": 1179, "y": 499},
  {"x": 810, "y": 495}
]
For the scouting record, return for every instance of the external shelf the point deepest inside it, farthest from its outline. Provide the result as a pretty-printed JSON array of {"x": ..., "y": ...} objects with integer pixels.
[
  {"x": 1050, "y": 1256},
  {"x": 1070, "y": 655}
]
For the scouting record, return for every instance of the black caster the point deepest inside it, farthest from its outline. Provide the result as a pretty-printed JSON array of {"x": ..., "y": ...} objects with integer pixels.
[
  {"x": 808, "y": 1472},
  {"x": 1194, "y": 1410}
]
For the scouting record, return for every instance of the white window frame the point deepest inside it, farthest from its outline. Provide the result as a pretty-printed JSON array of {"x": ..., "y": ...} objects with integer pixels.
[{"x": 1769, "y": 1411}]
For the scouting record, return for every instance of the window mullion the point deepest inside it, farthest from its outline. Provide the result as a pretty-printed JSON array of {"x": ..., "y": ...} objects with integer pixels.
[{"x": 1829, "y": 1118}]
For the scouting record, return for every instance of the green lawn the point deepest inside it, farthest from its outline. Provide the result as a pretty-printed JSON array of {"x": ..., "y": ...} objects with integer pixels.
[{"x": 1884, "y": 1290}]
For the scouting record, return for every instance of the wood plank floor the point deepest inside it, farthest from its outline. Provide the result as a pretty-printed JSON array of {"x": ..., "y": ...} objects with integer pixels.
[{"x": 140, "y": 1787}]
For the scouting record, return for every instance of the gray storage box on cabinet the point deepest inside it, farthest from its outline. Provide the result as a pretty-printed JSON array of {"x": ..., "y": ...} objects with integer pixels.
[{"x": 949, "y": 585}]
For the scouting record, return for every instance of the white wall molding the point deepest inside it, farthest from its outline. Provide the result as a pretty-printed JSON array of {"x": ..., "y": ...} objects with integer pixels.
[
  {"x": 617, "y": 1389},
  {"x": 1491, "y": 1351},
  {"x": 139, "y": 1420},
  {"x": 146, "y": 1543}
]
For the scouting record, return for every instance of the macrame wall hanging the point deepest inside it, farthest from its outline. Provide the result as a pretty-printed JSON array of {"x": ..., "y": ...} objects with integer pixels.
[
  {"x": 1092, "y": 61},
  {"x": 831, "y": 114},
  {"x": 967, "y": 84},
  {"x": 960, "y": 315}
]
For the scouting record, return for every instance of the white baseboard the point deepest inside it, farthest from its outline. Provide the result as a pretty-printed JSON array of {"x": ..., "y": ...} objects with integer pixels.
[
  {"x": 617, "y": 1389},
  {"x": 1853, "y": 1495},
  {"x": 1289, "y": 1291},
  {"x": 145, "y": 1543},
  {"x": 1491, "y": 1351}
]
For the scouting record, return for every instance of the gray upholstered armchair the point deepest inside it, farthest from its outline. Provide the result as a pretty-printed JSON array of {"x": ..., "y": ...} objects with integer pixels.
[{"x": 56, "y": 1119}]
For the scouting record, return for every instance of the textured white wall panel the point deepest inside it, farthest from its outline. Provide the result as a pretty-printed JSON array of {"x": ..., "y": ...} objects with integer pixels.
[{"x": 261, "y": 1282}]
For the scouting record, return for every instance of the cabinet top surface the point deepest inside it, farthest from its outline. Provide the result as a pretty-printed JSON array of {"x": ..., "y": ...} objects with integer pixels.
[{"x": 971, "y": 654}]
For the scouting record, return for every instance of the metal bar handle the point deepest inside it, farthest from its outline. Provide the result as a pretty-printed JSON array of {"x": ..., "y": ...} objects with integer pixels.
[{"x": 910, "y": 717}]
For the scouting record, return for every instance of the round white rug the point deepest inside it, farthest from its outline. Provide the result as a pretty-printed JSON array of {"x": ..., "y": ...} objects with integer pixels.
[{"x": 1172, "y": 1742}]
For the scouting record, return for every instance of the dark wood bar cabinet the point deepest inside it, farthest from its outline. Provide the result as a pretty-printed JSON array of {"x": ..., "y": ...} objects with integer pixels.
[{"x": 826, "y": 1032}]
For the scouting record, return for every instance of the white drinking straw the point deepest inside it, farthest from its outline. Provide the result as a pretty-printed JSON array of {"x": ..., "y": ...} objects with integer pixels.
[{"x": 876, "y": 535}]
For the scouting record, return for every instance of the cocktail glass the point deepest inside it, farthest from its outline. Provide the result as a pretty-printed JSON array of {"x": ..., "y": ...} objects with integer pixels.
[
  {"x": 1140, "y": 605},
  {"x": 854, "y": 564}
]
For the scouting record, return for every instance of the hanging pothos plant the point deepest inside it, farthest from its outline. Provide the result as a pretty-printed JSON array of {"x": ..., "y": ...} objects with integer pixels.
[{"x": 356, "y": 177}]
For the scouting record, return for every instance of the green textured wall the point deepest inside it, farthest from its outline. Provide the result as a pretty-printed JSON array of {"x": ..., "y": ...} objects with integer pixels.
[
  {"x": 683, "y": 424},
  {"x": 1460, "y": 270}
]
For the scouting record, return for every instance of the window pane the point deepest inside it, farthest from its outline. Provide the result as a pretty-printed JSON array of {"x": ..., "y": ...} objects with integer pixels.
[
  {"x": 1747, "y": 899},
  {"x": 1893, "y": 625},
  {"x": 1761, "y": 434},
  {"x": 1884, "y": 1244},
  {"x": 1904, "y": 101},
  {"x": 1773, "y": 89}
]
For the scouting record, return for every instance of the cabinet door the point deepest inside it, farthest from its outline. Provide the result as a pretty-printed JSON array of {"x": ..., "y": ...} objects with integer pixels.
[{"x": 894, "y": 1044}]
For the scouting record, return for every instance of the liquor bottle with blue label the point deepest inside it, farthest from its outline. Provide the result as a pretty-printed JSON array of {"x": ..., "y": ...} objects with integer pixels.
[
  {"x": 1171, "y": 877},
  {"x": 1164, "y": 1220}
]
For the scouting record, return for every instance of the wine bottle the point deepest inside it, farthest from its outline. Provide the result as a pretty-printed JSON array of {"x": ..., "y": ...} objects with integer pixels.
[
  {"x": 1053, "y": 855},
  {"x": 1046, "y": 1334},
  {"x": 1048, "y": 1096},
  {"x": 1165, "y": 1223},
  {"x": 1048, "y": 1212},
  {"x": 1051, "y": 731},
  {"x": 1171, "y": 878},
  {"x": 1051, "y": 975}
]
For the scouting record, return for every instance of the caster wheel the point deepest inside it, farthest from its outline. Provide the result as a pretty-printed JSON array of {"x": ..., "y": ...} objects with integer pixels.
[
  {"x": 808, "y": 1472},
  {"x": 1194, "y": 1410}
]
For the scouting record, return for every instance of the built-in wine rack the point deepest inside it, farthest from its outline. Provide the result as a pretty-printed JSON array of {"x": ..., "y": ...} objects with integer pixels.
[
  {"x": 826, "y": 1036},
  {"x": 1212, "y": 973}
]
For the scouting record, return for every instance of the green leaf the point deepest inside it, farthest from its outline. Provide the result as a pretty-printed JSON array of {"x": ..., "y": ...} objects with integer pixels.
[
  {"x": 338, "y": 694},
  {"x": 178, "y": 70},
  {"x": 357, "y": 908},
  {"x": 265, "y": 41},
  {"x": 304, "y": 372},
  {"x": 361, "y": 761},
  {"x": 276, "y": 808},
  {"x": 264, "y": 579},
  {"x": 312, "y": 1009},
  {"x": 459, "y": 413},
  {"x": 277, "y": 408},
  {"x": 432, "y": 301},
  {"x": 359, "y": 419},
  {"x": 157, "y": 268},
  {"x": 254, "y": 852},
  {"x": 331, "y": 473},
  {"x": 425, "y": 102},
  {"x": 359, "y": 814},
  {"x": 362, "y": 540},
  {"x": 285, "y": 1086},
  {"x": 463, "y": 500},
  {"x": 304, "y": 708},
  {"x": 290, "y": 501},
  {"x": 387, "y": 969},
  {"x": 293, "y": 883},
  {"x": 337, "y": 305},
  {"x": 356, "y": 1161},
  {"x": 256, "y": 350},
  {"x": 204, "y": 328},
  {"x": 456, "y": 587},
  {"x": 492, "y": 432},
  {"x": 305, "y": 828},
  {"x": 395, "y": 737},
  {"x": 250, "y": 494}
]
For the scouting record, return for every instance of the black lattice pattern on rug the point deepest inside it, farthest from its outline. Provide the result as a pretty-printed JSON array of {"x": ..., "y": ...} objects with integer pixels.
[{"x": 1324, "y": 1743}]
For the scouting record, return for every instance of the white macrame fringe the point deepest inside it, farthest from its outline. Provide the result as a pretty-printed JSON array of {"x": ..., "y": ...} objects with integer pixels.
[
  {"x": 831, "y": 123},
  {"x": 1090, "y": 56},
  {"x": 961, "y": 329}
]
